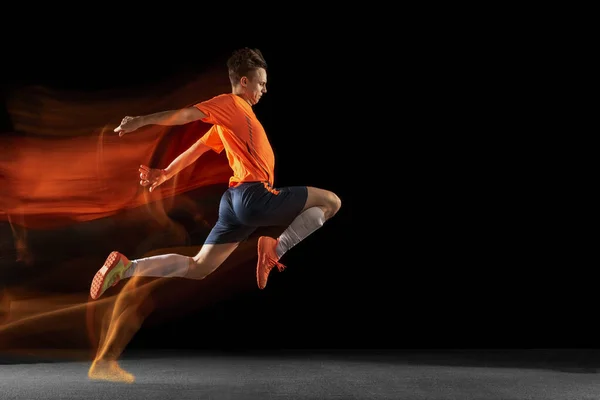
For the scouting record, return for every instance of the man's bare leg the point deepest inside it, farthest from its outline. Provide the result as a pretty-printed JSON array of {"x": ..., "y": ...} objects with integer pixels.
[
  {"x": 117, "y": 266},
  {"x": 131, "y": 310}
]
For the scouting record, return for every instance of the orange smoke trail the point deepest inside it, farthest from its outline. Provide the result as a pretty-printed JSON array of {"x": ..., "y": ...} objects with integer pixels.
[
  {"x": 73, "y": 322},
  {"x": 70, "y": 166},
  {"x": 63, "y": 170}
]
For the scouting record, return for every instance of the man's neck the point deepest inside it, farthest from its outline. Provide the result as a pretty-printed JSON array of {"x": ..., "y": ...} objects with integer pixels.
[{"x": 242, "y": 97}]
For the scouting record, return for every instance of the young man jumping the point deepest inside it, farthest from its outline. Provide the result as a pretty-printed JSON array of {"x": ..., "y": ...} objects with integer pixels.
[{"x": 251, "y": 200}]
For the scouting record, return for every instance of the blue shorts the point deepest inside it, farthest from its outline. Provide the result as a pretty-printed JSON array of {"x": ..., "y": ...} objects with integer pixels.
[{"x": 250, "y": 205}]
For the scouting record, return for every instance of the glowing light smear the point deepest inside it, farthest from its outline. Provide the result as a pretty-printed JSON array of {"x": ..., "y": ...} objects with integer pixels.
[
  {"x": 70, "y": 166},
  {"x": 70, "y": 193}
]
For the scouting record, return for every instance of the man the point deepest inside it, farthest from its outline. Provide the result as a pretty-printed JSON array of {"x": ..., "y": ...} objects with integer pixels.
[{"x": 251, "y": 200}]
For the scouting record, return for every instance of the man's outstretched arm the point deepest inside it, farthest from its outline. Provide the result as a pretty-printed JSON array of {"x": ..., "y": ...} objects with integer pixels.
[{"x": 171, "y": 117}]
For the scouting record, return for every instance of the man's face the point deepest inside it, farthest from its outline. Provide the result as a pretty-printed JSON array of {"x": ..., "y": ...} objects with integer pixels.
[{"x": 255, "y": 85}]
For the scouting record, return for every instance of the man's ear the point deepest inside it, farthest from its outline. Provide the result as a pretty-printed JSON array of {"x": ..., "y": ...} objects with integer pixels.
[{"x": 244, "y": 81}]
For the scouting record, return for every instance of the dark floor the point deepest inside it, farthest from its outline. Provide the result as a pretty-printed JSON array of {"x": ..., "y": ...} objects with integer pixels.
[{"x": 303, "y": 374}]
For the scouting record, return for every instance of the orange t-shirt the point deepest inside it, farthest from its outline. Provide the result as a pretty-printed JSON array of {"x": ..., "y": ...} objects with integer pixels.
[{"x": 237, "y": 130}]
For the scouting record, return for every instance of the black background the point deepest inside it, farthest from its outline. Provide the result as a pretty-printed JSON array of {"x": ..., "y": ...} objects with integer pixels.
[
  {"x": 336, "y": 299},
  {"x": 432, "y": 247}
]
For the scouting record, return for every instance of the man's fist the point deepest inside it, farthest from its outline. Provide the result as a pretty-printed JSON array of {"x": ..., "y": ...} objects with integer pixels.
[
  {"x": 128, "y": 124},
  {"x": 151, "y": 177}
]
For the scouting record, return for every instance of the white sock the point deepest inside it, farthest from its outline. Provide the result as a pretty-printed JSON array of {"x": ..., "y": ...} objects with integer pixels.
[
  {"x": 302, "y": 226},
  {"x": 165, "y": 265}
]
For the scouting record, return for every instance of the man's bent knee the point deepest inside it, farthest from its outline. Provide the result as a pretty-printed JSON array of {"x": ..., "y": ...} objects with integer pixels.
[
  {"x": 336, "y": 204},
  {"x": 332, "y": 206},
  {"x": 328, "y": 201}
]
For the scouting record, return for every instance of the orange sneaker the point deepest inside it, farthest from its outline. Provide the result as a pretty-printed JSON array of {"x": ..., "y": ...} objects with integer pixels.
[
  {"x": 110, "y": 274},
  {"x": 267, "y": 259}
]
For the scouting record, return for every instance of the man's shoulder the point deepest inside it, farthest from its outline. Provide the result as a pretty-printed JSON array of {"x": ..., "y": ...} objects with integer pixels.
[
  {"x": 222, "y": 97},
  {"x": 219, "y": 100}
]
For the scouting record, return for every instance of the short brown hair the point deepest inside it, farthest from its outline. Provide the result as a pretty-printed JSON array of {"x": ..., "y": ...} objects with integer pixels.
[{"x": 243, "y": 61}]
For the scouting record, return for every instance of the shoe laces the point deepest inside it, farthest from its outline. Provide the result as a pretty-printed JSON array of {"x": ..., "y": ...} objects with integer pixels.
[
  {"x": 279, "y": 266},
  {"x": 274, "y": 263}
]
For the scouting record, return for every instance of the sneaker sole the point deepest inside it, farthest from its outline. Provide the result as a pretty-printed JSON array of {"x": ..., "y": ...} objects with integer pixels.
[
  {"x": 258, "y": 273},
  {"x": 105, "y": 277},
  {"x": 258, "y": 267}
]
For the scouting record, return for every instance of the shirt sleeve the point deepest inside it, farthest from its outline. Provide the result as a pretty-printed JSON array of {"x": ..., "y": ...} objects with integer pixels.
[
  {"x": 213, "y": 140},
  {"x": 218, "y": 110}
]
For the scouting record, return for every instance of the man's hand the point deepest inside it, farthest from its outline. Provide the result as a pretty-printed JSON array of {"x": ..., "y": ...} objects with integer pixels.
[
  {"x": 152, "y": 176},
  {"x": 129, "y": 124}
]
